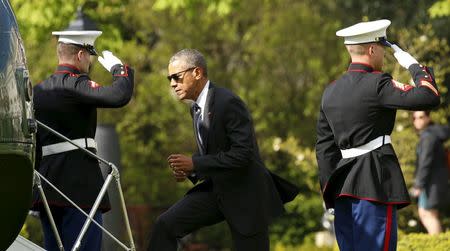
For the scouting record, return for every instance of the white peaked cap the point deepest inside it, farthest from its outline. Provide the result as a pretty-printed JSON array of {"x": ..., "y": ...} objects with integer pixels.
[
  {"x": 77, "y": 37},
  {"x": 364, "y": 32}
]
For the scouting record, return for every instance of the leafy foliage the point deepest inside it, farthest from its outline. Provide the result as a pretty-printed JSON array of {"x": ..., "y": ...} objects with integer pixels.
[
  {"x": 278, "y": 55},
  {"x": 440, "y": 9},
  {"x": 424, "y": 242}
]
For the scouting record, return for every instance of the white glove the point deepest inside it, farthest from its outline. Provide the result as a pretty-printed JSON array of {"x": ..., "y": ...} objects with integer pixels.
[
  {"x": 108, "y": 60},
  {"x": 404, "y": 58}
]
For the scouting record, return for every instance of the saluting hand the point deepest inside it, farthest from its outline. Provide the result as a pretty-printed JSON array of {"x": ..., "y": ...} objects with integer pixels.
[
  {"x": 108, "y": 60},
  {"x": 404, "y": 58}
]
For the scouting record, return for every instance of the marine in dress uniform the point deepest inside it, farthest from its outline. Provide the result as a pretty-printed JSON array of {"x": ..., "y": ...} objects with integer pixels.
[
  {"x": 360, "y": 175},
  {"x": 67, "y": 101}
]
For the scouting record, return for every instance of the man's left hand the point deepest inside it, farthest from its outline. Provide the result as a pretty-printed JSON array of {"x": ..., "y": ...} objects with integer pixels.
[
  {"x": 181, "y": 163},
  {"x": 415, "y": 192},
  {"x": 179, "y": 176}
]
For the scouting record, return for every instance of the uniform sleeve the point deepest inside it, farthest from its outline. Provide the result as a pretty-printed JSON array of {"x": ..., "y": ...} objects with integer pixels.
[
  {"x": 425, "y": 161},
  {"x": 239, "y": 132},
  {"x": 327, "y": 152},
  {"x": 117, "y": 94},
  {"x": 396, "y": 95}
]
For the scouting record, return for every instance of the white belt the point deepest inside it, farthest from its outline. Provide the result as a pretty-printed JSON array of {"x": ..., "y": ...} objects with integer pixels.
[
  {"x": 360, "y": 150},
  {"x": 66, "y": 146}
]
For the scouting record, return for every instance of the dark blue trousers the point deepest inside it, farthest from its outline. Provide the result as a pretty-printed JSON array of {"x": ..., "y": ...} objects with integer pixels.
[
  {"x": 69, "y": 222},
  {"x": 364, "y": 225}
]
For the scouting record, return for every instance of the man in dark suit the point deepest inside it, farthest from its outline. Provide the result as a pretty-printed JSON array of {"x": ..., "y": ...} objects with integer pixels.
[{"x": 234, "y": 184}]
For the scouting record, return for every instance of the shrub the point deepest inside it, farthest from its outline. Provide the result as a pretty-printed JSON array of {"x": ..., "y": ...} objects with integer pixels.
[{"x": 424, "y": 242}]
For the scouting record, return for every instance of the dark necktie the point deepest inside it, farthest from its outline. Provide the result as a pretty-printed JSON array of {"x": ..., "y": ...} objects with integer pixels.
[{"x": 198, "y": 128}]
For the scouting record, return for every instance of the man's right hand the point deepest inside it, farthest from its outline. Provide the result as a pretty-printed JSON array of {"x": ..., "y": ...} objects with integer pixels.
[
  {"x": 108, "y": 60},
  {"x": 179, "y": 176},
  {"x": 404, "y": 58}
]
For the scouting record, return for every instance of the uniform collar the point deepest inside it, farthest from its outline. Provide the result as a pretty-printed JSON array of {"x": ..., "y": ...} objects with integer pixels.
[
  {"x": 360, "y": 67},
  {"x": 68, "y": 68}
]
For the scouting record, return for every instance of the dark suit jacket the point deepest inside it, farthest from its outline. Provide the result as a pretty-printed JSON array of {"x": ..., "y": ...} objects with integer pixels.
[{"x": 232, "y": 166}]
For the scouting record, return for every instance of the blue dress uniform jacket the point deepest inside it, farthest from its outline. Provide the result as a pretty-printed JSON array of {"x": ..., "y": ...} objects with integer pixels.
[
  {"x": 357, "y": 108},
  {"x": 67, "y": 101}
]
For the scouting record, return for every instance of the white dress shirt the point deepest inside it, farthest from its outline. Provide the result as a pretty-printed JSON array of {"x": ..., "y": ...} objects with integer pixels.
[{"x": 201, "y": 100}]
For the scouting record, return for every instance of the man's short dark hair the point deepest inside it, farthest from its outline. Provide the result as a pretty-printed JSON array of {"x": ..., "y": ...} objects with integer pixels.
[
  {"x": 192, "y": 58},
  {"x": 358, "y": 49},
  {"x": 67, "y": 50}
]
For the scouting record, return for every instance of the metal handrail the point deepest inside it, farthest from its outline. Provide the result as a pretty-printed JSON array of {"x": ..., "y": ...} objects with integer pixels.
[{"x": 114, "y": 173}]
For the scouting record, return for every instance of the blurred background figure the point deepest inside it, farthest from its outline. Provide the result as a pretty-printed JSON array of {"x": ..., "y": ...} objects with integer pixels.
[{"x": 431, "y": 175}]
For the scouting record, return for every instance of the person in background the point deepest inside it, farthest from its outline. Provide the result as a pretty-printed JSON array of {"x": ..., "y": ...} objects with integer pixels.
[
  {"x": 67, "y": 101},
  {"x": 431, "y": 175}
]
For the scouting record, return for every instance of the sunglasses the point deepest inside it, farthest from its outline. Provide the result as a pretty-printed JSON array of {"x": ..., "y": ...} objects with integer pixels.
[{"x": 177, "y": 76}]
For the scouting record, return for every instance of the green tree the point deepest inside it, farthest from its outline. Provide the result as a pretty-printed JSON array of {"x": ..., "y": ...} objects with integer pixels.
[
  {"x": 278, "y": 55},
  {"x": 440, "y": 9}
]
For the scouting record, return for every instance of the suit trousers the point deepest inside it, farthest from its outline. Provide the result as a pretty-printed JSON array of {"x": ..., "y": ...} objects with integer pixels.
[
  {"x": 69, "y": 222},
  {"x": 365, "y": 225},
  {"x": 193, "y": 211}
]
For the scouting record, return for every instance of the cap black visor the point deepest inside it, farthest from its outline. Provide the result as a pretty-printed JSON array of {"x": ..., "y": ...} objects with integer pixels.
[{"x": 89, "y": 48}]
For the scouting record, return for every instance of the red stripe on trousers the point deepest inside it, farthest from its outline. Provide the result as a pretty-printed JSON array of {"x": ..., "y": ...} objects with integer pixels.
[{"x": 387, "y": 234}]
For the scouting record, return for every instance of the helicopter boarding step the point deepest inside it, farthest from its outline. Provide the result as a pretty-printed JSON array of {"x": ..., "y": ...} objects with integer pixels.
[{"x": 23, "y": 244}]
